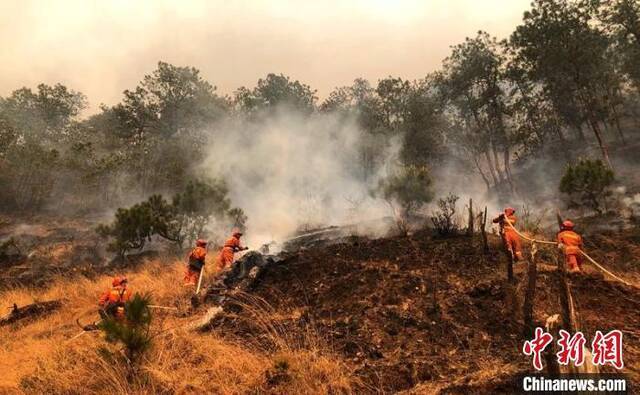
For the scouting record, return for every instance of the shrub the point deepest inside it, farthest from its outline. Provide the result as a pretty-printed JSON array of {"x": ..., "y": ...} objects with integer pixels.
[
  {"x": 406, "y": 190},
  {"x": 444, "y": 219},
  {"x": 532, "y": 222},
  {"x": 587, "y": 184}
]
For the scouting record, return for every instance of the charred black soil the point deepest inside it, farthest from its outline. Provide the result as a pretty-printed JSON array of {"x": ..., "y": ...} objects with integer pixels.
[{"x": 426, "y": 312}]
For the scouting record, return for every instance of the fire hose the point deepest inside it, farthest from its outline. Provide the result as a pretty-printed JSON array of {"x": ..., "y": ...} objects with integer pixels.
[{"x": 596, "y": 264}]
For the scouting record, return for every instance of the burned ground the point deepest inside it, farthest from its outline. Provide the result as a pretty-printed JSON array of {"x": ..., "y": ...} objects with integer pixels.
[
  {"x": 47, "y": 248},
  {"x": 373, "y": 301}
]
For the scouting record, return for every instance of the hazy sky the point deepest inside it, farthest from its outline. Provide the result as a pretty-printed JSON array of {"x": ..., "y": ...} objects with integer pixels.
[{"x": 101, "y": 47}]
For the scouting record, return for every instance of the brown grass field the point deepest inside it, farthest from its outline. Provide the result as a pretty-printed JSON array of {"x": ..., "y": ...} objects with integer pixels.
[{"x": 42, "y": 356}]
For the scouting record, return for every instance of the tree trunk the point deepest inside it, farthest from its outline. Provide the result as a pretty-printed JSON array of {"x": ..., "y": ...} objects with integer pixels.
[
  {"x": 496, "y": 160},
  {"x": 470, "y": 223},
  {"x": 485, "y": 242},
  {"x": 551, "y": 361},
  {"x": 507, "y": 169},
  {"x": 565, "y": 293},
  {"x": 530, "y": 293},
  {"x": 603, "y": 147},
  {"x": 492, "y": 170},
  {"x": 580, "y": 133},
  {"x": 616, "y": 120},
  {"x": 559, "y": 219},
  {"x": 484, "y": 177},
  {"x": 563, "y": 141}
]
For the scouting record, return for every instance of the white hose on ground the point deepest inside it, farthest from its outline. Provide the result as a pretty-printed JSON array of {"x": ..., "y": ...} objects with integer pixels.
[{"x": 605, "y": 270}]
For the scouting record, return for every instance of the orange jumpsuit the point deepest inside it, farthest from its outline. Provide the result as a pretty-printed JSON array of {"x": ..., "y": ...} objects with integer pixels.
[
  {"x": 196, "y": 262},
  {"x": 112, "y": 301},
  {"x": 225, "y": 258},
  {"x": 509, "y": 236},
  {"x": 572, "y": 244}
]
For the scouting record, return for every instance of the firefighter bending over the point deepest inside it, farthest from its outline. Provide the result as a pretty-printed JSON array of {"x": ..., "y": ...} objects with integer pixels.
[
  {"x": 112, "y": 302},
  {"x": 196, "y": 261},
  {"x": 231, "y": 246}
]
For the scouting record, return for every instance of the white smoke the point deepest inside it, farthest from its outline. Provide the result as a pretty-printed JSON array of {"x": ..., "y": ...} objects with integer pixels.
[{"x": 290, "y": 171}]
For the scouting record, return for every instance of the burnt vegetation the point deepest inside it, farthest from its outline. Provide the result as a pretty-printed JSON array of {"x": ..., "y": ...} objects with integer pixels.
[{"x": 547, "y": 117}]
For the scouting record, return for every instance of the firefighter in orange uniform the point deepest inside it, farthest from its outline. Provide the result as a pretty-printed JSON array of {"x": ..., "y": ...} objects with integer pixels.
[
  {"x": 112, "y": 302},
  {"x": 196, "y": 261},
  {"x": 231, "y": 246},
  {"x": 571, "y": 243},
  {"x": 509, "y": 236}
]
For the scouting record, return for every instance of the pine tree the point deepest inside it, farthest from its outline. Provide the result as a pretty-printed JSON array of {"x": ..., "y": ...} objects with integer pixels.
[{"x": 133, "y": 332}]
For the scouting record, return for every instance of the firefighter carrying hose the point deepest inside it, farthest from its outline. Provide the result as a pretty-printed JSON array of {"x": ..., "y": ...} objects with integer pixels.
[
  {"x": 112, "y": 302},
  {"x": 570, "y": 243},
  {"x": 231, "y": 246},
  {"x": 195, "y": 262},
  {"x": 509, "y": 236}
]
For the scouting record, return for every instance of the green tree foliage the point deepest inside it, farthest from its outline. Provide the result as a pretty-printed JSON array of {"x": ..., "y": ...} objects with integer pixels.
[
  {"x": 238, "y": 217},
  {"x": 406, "y": 190},
  {"x": 425, "y": 127},
  {"x": 201, "y": 202},
  {"x": 28, "y": 176},
  {"x": 170, "y": 101},
  {"x": 34, "y": 128},
  {"x": 621, "y": 20},
  {"x": 160, "y": 123},
  {"x": 133, "y": 333},
  {"x": 42, "y": 115},
  {"x": 360, "y": 100},
  {"x": 131, "y": 229},
  {"x": 395, "y": 108},
  {"x": 587, "y": 184},
  {"x": 184, "y": 219},
  {"x": 537, "y": 128},
  {"x": 558, "y": 47},
  {"x": 472, "y": 82},
  {"x": 569, "y": 73},
  {"x": 8, "y": 136},
  {"x": 273, "y": 91}
]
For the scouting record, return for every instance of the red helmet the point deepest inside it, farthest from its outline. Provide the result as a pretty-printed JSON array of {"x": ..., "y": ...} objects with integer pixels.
[
  {"x": 201, "y": 242},
  {"x": 509, "y": 211},
  {"x": 119, "y": 280},
  {"x": 567, "y": 225}
]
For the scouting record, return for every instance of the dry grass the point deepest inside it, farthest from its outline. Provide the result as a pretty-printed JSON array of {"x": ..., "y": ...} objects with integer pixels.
[{"x": 39, "y": 357}]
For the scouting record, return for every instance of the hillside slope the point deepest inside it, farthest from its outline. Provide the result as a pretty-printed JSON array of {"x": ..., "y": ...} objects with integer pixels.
[
  {"x": 358, "y": 316},
  {"x": 373, "y": 300}
]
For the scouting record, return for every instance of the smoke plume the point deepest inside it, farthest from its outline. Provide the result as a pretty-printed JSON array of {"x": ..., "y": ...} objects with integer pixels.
[{"x": 291, "y": 172}]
